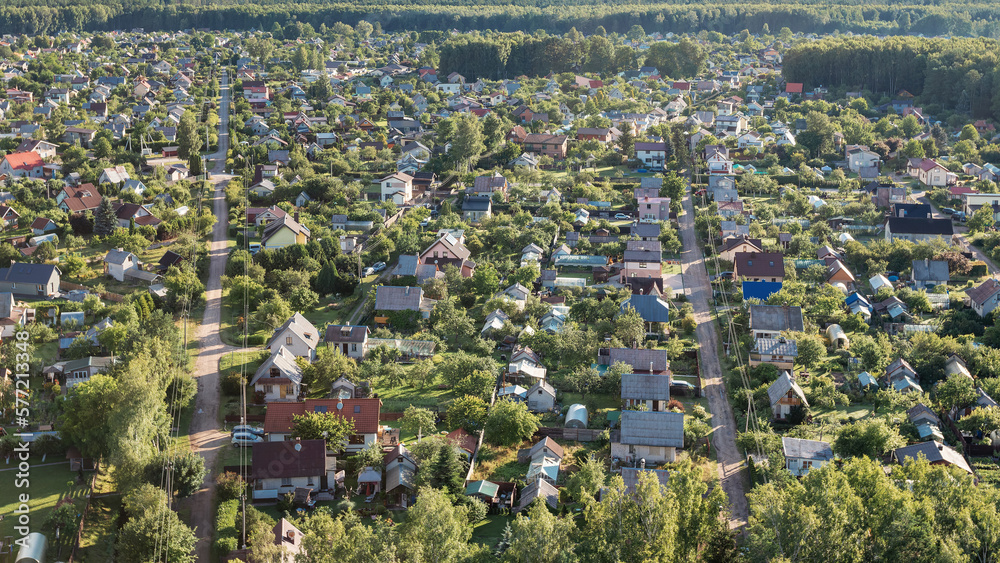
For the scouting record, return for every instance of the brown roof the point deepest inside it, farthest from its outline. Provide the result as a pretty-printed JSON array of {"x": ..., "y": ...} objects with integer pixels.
[
  {"x": 732, "y": 242},
  {"x": 364, "y": 412},
  {"x": 274, "y": 460},
  {"x": 462, "y": 439},
  {"x": 983, "y": 291},
  {"x": 545, "y": 139},
  {"x": 82, "y": 198},
  {"x": 759, "y": 264}
]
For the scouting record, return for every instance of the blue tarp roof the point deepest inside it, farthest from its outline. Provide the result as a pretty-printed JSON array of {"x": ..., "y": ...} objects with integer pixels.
[{"x": 760, "y": 290}]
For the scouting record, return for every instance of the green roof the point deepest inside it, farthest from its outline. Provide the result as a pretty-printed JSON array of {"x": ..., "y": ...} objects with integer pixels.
[{"x": 484, "y": 488}]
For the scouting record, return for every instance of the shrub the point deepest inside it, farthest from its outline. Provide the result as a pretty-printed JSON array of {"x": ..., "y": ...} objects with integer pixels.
[
  {"x": 675, "y": 404},
  {"x": 232, "y": 384},
  {"x": 229, "y": 486},
  {"x": 225, "y": 527}
]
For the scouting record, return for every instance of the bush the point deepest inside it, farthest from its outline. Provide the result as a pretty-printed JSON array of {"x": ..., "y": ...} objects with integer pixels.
[
  {"x": 225, "y": 527},
  {"x": 229, "y": 486},
  {"x": 232, "y": 384},
  {"x": 255, "y": 340}
]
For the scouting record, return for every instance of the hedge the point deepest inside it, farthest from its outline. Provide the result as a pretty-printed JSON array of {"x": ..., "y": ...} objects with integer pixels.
[{"x": 226, "y": 535}]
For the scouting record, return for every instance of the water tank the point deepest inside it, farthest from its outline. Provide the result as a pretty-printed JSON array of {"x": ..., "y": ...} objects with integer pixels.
[
  {"x": 33, "y": 550},
  {"x": 576, "y": 416}
]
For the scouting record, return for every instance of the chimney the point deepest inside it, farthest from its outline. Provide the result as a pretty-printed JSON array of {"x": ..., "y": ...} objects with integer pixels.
[{"x": 296, "y": 216}]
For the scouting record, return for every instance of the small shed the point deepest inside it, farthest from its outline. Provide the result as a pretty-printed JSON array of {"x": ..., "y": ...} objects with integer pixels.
[
  {"x": 369, "y": 481},
  {"x": 576, "y": 416},
  {"x": 837, "y": 337},
  {"x": 865, "y": 379}
]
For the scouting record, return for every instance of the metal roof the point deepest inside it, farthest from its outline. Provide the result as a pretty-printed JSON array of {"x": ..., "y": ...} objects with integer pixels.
[
  {"x": 651, "y": 308},
  {"x": 657, "y": 429},
  {"x": 645, "y": 387},
  {"x": 775, "y": 318},
  {"x": 782, "y": 386},
  {"x": 806, "y": 449}
]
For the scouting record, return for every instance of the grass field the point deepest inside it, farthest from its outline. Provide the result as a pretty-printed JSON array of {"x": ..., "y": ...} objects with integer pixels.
[{"x": 47, "y": 486}]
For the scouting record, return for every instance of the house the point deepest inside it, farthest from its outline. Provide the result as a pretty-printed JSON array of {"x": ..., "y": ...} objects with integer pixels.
[
  {"x": 929, "y": 273},
  {"x": 649, "y": 390},
  {"x": 538, "y": 489},
  {"x": 117, "y": 262},
  {"x": 448, "y": 250},
  {"x": 279, "y": 378},
  {"x": 653, "y": 209},
  {"x": 837, "y": 274},
  {"x": 258, "y": 216},
  {"x": 859, "y": 157},
  {"x": 397, "y": 187},
  {"x": 546, "y": 144},
  {"x": 653, "y": 437},
  {"x": 759, "y": 266},
  {"x": 785, "y": 395},
  {"x": 733, "y": 245},
  {"x": 400, "y": 475},
  {"x": 22, "y": 165},
  {"x": 278, "y": 420},
  {"x": 803, "y": 455},
  {"x": 541, "y": 397},
  {"x": 169, "y": 258},
  {"x": 918, "y": 229},
  {"x": 351, "y": 341},
  {"x": 284, "y": 232},
  {"x": 779, "y": 352},
  {"x": 984, "y": 297},
  {"x": 8, "y": 216},
  {"x": 75, "y": 372},
  {"x": 717, "y": 160},
  {"x": 298, "y": 336},
  {"x": 759, "y": 290},
  {"x": 476, "y": 208},
  {"x": 642, "y": 360},
  {"x": 280, "y": 467},
  {"x": 44, "y": 149},
  {"x": 654, "y": 310},
  {"x": 30, "y": 280},
  {"x": 935, "y": 452},
  {"x": 127, "y": 213},
  {"x": 42, "y": 225},
  {"x": 490, "y": 184},
  {"x": 116, "y": 175},
  {"x": 932, "y": 174},
  {"x": 392, "y": 298},
  {"x": 652, "y": 155}
]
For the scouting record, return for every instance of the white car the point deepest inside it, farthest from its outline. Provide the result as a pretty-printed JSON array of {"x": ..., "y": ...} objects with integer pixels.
[
  {"x": 246, "y": 439},
  {"x": 246, "y": 428}
]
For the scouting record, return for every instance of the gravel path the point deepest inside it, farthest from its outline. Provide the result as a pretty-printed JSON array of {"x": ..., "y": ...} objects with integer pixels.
[{"x": 731, "y": 474}]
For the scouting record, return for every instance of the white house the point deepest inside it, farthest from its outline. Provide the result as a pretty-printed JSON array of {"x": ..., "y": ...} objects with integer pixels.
[
  {"x": 803, "y": 455},
  {"x": 279, "y": 378},
  {"x": 119, "y": 261},
  {"x": 298, "y": 336},
  {"x": 398, "y": 187}
]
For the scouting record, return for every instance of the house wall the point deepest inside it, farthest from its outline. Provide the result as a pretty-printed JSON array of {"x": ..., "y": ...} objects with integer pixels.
[
  {"x": 365, "y": 440},
  {"x": 299, "y": 347},
  {"x": 541, "y": 401},
  {"x": 778, "y": 361},
  {"x": 800, "y": 467},
  {"x": 275, "y": 484},
  {"x": 276, "y": 391},
  {"x": 652, "y": 454},
  {"x": 284, "y": 237},
  {"x": 784, "y": 406},
  {"x": 354, "y": 350}
]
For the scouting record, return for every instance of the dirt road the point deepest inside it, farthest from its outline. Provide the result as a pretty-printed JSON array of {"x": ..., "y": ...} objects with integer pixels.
[{"x": 731, "y": 466}]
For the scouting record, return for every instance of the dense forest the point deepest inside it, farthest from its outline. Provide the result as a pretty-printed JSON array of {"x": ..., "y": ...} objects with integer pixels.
[
  {"x": 944, "y": 18},
  {"x": 959, "y": 74}
]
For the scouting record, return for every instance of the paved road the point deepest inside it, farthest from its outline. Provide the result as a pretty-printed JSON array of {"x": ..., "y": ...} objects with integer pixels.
[
  {"x": 731, "y": 474},
  {"x": 206, "y": 437}
]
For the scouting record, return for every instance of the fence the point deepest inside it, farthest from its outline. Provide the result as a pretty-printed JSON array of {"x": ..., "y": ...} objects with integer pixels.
[
  {"x": 573, "y": 434},
  {"x": 67, "y": 286},
  {"x": 83, "y": 518}
]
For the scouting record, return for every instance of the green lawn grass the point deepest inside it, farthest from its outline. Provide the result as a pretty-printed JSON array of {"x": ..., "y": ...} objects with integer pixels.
[
  {"x": 397, "y": 399},
  {"x": 99, "y": 531},
  {"x": 47, "y": 485},
  {"x": 489, "y": 531}
]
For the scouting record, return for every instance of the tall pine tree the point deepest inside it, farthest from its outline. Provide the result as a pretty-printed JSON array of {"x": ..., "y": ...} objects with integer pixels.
[{"x": 105, "y": 219}]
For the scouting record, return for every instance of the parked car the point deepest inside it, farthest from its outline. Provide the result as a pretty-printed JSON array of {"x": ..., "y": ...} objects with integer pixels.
[
  {"x": 960, "y": 216},
  {"x": 378, "y": 266},
  {"x": 722, "y": 276},
  {"x": 622, "y": 216},
  {"x": 241, "y": 439},
  {"x": 245, "y": 428},
  {"x": 947, "y": 211},
  {"x": 367, "y": 271}
]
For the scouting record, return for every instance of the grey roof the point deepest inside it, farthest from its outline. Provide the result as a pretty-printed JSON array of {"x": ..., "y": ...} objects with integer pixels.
[
  {"x": 651, "y": 308},
  {"x": 345, "y": 333},
  {"x": 544, "y": 386},
  {"x": 646, "y": 230},
  {"x": 27, "y": 273},
  {"x": 392, "y": 298},
  {"x": 539, "y": 488},
  {"x": 284, "y": 362},
  {"x": 640, "y": 358},
  {"x": 776, "y": 347},
  {"x": 935, "y": 452},
  {"x": 923, "y": 411},
  {"x": 657, "y": 429},
  {"x": 930, "y": 270},
  {"x": 775, "y": 318},
  {"x": 806, "y": 449},
  {"x": 642, "y": 256},
  {"x": 401, "y": 474},
  {"x": 648, "y": 245},
  {"x": 118, "y": 256},
  {"x": 301, "y": 326},
  {"x": 646, "y": 387},
  {"x": 476, "y": 203},
  {"x": 782, "y": 385},
  {"x": 406, "y": 266}
]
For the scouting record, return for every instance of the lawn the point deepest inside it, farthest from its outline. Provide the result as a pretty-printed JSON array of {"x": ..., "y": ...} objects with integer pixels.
[
  {"x": 489, "y": 531},
  {"x": 397, "y": 399},
  {"x": 98, "y": 541},
  {"x": 842, "y": 414},
  {"x": 47, "y": 486}
]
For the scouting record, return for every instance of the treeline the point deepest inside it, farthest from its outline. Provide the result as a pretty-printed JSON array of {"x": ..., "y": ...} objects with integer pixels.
[
  {"x": 959, "y": 74},
  {"x": 53, "y": 16}
]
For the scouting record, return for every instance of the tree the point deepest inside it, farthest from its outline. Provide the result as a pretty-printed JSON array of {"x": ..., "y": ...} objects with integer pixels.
[
  {"x": 467, "y": 412},
  {"x": 587, "y": 480},
  {"x": 102, "y": 148},
  {"x": 153, "y": 531},
  {"x": 467, "y": 143},
  {"x": 969, "y": 133},
  {"x": 486, "y": 280},
  {"x": 631, "y": 526},
  {"x": 105, "y": 219},
  {"x": 328, "y": 426},
  {"x": 583, "y": 380},
  {"x": 509, "y": 423},
  {"x": 956, "y": 391},
  {"x": 981, "y": 219},
  {"x": 540, "y": 536},
  {"x": 345, "y": 538},
  {"x": 84, "y": 421},
  {"x": 810, "y": 350},
  {"x": 187, "y": 472},
  {"x": 871, "y": 437},
  {"x": 629, "y": 327},
  {"x": 188, "y": 140},
  {"x": 525, "y": 275},
  {"x": 330, "y": 364},
  {"x": 417, "y": 420},
  {"x": 435, "y": 529},
  {"x": 981, "y": 419},
  {"x": 914, "y": 149},
  {"x": 272, "y": 313},
  {"x": 446, "y": 471}
]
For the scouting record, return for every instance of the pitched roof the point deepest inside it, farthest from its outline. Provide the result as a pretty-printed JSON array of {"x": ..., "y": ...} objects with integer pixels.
[
  {"x": 760, "y": 290},
  {"x": 641, "y": 359},
  {"x": 544, "y": 139},
  {"x": 651, "y": 308},
  {"x": 116, "y": 256},
  {"x": 539, "y": 488},
  {"x": 782, "y": 386},
  {"x": 630, "y": 476},
  {"x": 645, "y": 387},
  {"x": 284, "y": 362},
  {"x": 657, "y": 429},
  {"x": 930, "y": 270},
  {"x": 733, "y": 242},
  {"x": 554, "y": 449},
  {"x": 775, "y": 318},
  {"x": 28, "y": 273},
  {"x": 935, "y": 452},
  {"x": 364, "y": 412},
  {"x": 345, "y": 333},
  {"x": 393, "y": 298},
  {"x": 800, "y": 448},
  {"x": 759, "y": 264},
  {"x": 301, "y": 327},
  {"x": 984, "y": 291},
  {"x": 289, "y": 458},
  {"x": 920, "y": 226},
  {"x": 775, "y": 347}
]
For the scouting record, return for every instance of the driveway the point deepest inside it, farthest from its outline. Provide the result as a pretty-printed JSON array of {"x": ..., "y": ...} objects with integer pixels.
[{"x": 730, "y": 461}]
